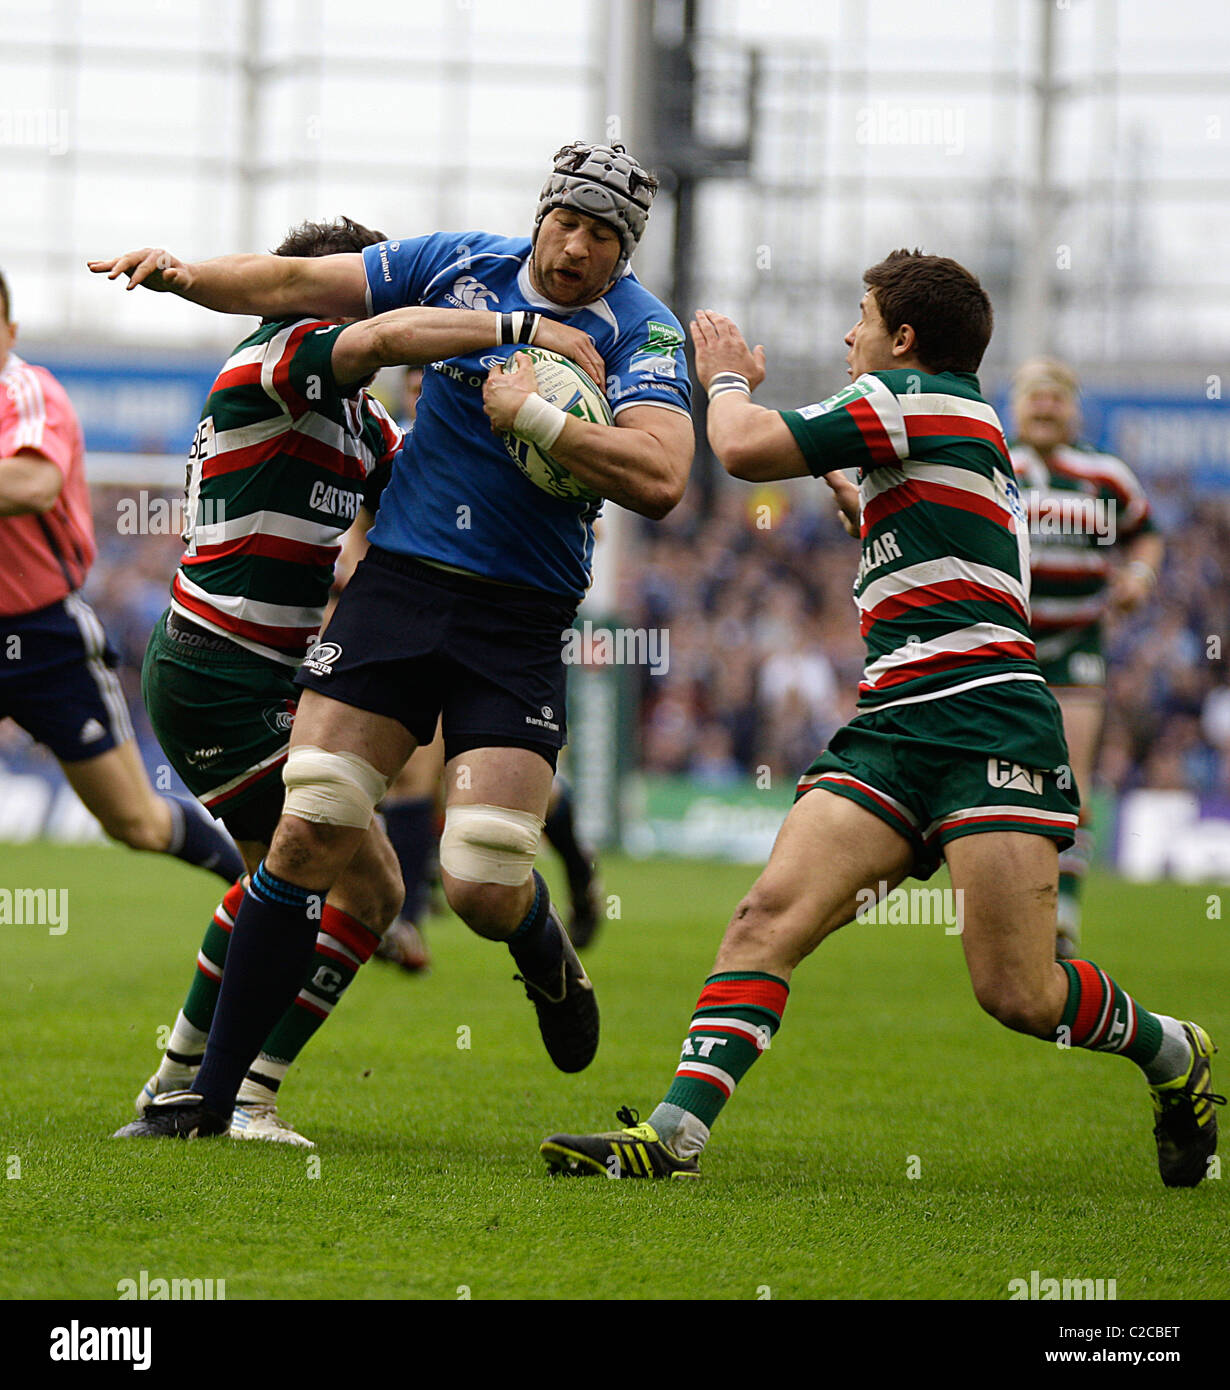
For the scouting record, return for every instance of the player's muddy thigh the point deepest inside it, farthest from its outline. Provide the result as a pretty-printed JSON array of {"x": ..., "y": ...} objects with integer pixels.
[
  {"x": 828, "y": 851},
  {"x": 516, "y": 779},
  {"x": 1008, "y": 884},
  {"x": 313, "y": 854}
]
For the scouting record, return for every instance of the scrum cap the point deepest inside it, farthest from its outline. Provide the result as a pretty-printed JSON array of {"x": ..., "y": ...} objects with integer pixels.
[{"x": 605, "y": 182}]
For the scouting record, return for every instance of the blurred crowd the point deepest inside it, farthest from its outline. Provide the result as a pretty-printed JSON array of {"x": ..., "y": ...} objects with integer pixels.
[{"x": 764, "y": 651}]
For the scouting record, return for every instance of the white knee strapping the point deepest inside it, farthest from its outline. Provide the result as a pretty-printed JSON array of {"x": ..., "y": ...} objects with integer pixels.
[
  {"x": 489, "y": 844},
  {"x": 331, "y": 788}
]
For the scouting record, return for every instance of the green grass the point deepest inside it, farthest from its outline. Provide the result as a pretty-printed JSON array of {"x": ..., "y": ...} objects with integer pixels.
[{"x": 429, "y": 1178}]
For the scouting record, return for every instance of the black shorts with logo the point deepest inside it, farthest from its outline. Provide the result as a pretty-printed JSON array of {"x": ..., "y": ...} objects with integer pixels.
[{"x": 414, "y": 642}]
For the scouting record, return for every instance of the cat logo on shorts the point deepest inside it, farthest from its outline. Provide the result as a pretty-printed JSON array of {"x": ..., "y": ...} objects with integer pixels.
[
  {"x": 321, "y": 658},
  {"x": 1013, "y": 777}
]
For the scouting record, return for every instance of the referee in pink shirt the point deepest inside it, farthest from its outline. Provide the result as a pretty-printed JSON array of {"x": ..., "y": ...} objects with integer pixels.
[{"x": 57, "y": 677}]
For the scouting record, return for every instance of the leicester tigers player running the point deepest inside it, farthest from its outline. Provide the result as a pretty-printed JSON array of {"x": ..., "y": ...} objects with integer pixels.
[
  {"x": 290, "y": 449},
  {"x": 957, "y": 751},
  {"x": 1086, "y": 510}
]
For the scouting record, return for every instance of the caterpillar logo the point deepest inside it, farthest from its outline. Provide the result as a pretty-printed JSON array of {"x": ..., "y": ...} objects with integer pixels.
[{"x": 1013, "y": 777}]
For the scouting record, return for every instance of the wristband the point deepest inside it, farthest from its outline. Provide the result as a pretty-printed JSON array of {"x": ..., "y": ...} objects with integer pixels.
[
  {"x": 539, "y": 422},
  {"x": 517, "y": 327},
  {"x": 1146, "y": 571},
  {"x": 729, "y": 381}
]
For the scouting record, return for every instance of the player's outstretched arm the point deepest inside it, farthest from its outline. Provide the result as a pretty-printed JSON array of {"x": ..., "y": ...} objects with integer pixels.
[
  {"x": 751, "y": 442},
  {"x": 29, "y": 484},
  {"x": 642, "y": 461},
  {"x": 266, "y": 285},
  {"x": 415, "y": 336}
]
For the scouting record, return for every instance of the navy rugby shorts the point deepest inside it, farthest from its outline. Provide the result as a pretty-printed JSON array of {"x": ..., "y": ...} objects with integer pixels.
[
  {"x": 58, "y": 681},
  {"x": 414, "y": 642}
]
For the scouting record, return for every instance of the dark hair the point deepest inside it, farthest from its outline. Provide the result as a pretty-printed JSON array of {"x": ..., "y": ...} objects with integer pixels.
[
  {"x": 4, "y": 294},
  {"x": 327, "y": 238},
  {"x": 941, "y": 301}
]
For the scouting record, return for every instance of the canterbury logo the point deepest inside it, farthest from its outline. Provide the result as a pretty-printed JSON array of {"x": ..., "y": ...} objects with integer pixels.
[{"x": 472, "y": 293}]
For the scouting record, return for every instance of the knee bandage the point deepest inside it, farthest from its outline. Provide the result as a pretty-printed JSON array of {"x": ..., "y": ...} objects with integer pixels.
[
  {"x": 331, "y": 788},
  {"x": 489, "y": 844}
]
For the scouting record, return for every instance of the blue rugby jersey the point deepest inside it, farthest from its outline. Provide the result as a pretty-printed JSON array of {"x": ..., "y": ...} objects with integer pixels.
[{"x": 456, "y": 497}]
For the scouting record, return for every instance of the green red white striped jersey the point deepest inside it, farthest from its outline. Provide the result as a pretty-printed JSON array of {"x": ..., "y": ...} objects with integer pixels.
[
  {"x": 281, "y": 462},
  {"x": 1080, "y": 505},
  {"x": 943, "y": 583}
]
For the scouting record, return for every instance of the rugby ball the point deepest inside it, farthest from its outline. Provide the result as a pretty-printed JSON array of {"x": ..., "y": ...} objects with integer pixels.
[{"x": 573, "y": 391}]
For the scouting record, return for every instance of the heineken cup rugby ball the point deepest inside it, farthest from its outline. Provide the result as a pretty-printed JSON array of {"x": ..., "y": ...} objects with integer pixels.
[{"x": 573, "y": 391}]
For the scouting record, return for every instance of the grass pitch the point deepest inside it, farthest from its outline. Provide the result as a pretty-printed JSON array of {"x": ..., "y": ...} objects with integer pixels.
[{"x": 429, "y": 1184}]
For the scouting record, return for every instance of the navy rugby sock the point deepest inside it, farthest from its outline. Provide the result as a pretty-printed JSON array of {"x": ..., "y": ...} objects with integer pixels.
[
  {"x": 411, "y": 826},
  {"x": 198, "y": 840},
  {"x": 536, "y": 945},
  {"x": 560, "y": 830},
  {"x": 270, "y": 948}
]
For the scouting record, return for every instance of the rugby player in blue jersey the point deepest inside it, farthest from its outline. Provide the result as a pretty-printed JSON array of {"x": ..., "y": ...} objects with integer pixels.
[{"x": 458, "y": 609}]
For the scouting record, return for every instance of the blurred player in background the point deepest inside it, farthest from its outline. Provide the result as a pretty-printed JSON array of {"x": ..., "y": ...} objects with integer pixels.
[
  {"x": 472, "y": 576},
  {"x": 956, "y": 753},
  {"x": 57, "y": 677},
  {"x": 1086, "y": 511}
]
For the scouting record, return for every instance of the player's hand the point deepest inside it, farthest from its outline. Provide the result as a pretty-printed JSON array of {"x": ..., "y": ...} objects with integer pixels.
[
  {"x": 846, "y": 495},
  {"x": 573, "y": 344},
  {"x": 720, "y": 347},
  {"x": 1129, "y": 589},
  {"x": 152, "y": 267},
  {"x": 504, "y": 393}
]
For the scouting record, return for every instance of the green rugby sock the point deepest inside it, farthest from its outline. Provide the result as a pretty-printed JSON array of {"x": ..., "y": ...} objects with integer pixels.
[
  {"x": 736, "y": 1016},
  {"x": 1102, "y": 1016}
]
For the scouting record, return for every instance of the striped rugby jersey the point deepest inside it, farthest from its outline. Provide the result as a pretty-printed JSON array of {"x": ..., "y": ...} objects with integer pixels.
[
  {"x": 1080, "y": 505},
  {"x": 943, "y": 583},
  {"x": 281, "y": 462}
]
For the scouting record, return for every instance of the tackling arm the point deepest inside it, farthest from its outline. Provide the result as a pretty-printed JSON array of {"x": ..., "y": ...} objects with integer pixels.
[{"x": 415, "y": 336}]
